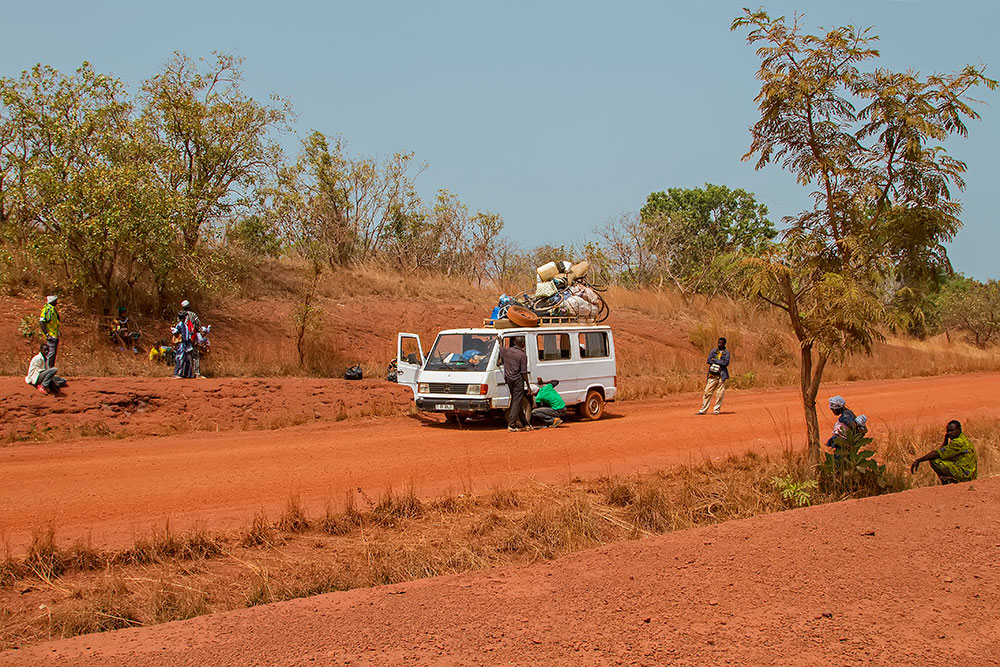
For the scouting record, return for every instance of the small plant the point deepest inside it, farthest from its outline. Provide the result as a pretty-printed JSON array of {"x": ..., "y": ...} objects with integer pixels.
[
  {"x": 27, "y": 327},
  {"x": 293, "y": 519},
  {"x": 793, "y": 491},
  {"x": 259, "y": 534},
  {"x": 747, "y": 380},
  {"x": 852, "y": 468}
]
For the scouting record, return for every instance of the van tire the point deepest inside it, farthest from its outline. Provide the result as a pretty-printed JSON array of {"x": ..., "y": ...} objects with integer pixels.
[
  {"x": 522, "y": 317},
  {"x": 592, "y": 407}
]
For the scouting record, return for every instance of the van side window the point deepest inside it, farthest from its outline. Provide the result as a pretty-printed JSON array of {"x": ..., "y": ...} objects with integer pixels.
[
  {"x": 552, "y": 346},
  {"x": 594, "y": 344}
]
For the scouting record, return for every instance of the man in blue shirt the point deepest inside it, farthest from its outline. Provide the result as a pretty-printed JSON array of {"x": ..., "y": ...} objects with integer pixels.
[{"x": 718, "y": 373}]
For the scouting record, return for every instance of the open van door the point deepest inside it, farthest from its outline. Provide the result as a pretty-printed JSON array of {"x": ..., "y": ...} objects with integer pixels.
[{"x": 409, "y": 360}]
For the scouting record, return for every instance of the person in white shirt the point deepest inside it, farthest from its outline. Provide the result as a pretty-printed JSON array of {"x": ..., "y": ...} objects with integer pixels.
[{"x": 40, "y": 376}]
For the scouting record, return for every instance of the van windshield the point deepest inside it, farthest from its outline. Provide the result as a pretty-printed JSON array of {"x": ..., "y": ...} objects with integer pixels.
[{"x": 461, "y": 352}]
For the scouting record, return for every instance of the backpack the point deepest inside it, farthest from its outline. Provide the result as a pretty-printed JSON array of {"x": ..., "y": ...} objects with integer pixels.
[{"x": 353, "y": 373}]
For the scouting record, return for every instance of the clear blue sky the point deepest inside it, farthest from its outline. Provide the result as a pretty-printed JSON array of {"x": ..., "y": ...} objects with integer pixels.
[{"x": 557, "y": 115}]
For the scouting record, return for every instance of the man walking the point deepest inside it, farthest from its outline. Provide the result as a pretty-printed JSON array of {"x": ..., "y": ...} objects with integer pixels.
[
  {"x": 718, "y": 373},
  {"x": 955, "y": 460},
  {"x": 515, "y": 373},
  {"x": 551, "y": 406},
  {"x": 49, "y": 323}
]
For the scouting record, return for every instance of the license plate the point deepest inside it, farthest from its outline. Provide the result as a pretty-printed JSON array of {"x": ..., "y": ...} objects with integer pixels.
[{"x": 445, "y": 406}]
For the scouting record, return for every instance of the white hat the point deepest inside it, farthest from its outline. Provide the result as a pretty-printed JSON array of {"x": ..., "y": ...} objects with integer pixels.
[
  {"x": 52, "y": 298},
  {"x": 185, "y": 303}
]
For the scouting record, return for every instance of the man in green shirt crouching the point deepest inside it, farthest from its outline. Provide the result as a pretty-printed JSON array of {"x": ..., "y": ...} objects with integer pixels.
[
  {"x": 551, "y": 408},
  {"x": 955, "y": 460}
]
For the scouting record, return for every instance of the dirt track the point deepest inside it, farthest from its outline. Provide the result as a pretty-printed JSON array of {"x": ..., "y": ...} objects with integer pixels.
[
  {"x": 109, "y": 489},
  {"x": 903, "y": 579}
]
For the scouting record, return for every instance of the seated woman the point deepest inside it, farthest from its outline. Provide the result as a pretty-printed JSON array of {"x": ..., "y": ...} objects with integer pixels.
[
  {"x": 955, "y": 460},
  {"x": 122, "y": 332},
  {"x": 40, "y": 376}
]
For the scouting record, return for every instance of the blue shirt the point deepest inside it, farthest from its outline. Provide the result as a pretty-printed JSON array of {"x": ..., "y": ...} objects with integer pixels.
[{"x": 720, "y": 357}]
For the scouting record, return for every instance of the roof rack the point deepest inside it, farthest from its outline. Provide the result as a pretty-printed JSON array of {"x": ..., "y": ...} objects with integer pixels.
[{"x": 543, "y": 321}]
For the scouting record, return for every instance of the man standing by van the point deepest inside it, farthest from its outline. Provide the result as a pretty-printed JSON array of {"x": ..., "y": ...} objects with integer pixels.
[
  {"x": 515, "y": 373},
  {"x": 718, "y": 373}
]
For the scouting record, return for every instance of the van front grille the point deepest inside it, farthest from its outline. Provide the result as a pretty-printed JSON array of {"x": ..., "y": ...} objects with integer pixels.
[{"x": 448, "y": 388}]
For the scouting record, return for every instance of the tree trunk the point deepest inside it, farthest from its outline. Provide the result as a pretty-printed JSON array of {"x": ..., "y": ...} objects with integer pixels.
[{"x": 810, "y": 380}]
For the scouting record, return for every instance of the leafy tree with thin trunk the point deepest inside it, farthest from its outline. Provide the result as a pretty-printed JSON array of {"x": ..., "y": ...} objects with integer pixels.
[
  {"x": 691, "y": 231},
  {"x": 869, "y": 142}
]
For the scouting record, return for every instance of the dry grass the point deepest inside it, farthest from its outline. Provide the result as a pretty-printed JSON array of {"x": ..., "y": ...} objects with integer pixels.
[
  {"x": 166, "y": 575},
  {"x": 765, "y": 354}
]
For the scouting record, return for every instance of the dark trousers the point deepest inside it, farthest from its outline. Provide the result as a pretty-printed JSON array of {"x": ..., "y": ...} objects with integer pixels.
[
  {"x": 548, "y": 415},
  {"x": 515, "y": 418},
  {"x": 50, "y": 380},
  {"x": 182, "y": 363},
  {"x": 50, "y": 358}
]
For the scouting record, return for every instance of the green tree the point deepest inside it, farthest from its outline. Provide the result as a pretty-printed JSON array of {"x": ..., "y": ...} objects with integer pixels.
[
  {"x": 972, "y": 307},
  {"x": 689, "y": 230},
  {"x": 346, "y": 208},
  {"x": 76, "y": 181},
  {"x": 869, "y": 142},
  {"x": 211, "y": 143}
]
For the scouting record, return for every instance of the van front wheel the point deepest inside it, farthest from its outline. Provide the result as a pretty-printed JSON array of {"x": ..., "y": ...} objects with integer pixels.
[{"x": 593, "y": 407}]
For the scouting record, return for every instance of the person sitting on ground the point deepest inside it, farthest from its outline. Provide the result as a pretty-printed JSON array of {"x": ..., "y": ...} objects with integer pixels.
[
  {"x": 122, "y": 333},
  {"x": 515, "y": 373},
  {"x": 718, "y": 373},
  {"x": 955, "y": 460},
  {"x": 41, "y": 376},
  {"x": 847, "y": 423},
  {"x": 551, "y": 407}
]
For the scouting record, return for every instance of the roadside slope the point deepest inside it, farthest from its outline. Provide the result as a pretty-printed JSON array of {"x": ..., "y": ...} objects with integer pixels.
[{"x": 903, "y": 579}]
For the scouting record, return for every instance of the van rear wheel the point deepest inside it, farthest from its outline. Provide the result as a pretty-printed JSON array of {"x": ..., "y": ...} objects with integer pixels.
[{"x": 592, "y": 407}]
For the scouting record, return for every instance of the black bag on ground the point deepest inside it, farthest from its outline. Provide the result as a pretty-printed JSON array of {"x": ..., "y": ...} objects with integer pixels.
[{"x": 353, "y": 373}]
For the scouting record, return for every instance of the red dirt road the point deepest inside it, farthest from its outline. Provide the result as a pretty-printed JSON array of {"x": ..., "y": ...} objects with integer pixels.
[
  {"x": 108, "y": 490},
  {"x": 906, "y": 579}
]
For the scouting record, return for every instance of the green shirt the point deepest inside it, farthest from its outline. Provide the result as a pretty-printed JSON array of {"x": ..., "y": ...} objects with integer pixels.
[
  {"x": 961, "y": 454},
  {"x": 50, "y": 321},
  {"x": 548, "y": 397}
]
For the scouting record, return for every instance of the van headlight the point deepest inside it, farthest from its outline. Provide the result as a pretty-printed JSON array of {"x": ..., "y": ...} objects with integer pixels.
[
  {"x": 423, "y": 388},
  {"x": 478, "y": 389}
]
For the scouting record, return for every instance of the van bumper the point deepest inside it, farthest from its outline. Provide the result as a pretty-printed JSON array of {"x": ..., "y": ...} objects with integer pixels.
[{"x": 453, "y": 404}]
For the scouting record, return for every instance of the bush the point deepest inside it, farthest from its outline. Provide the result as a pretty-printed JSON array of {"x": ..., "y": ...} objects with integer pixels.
[{"x": 852, "y": 468}]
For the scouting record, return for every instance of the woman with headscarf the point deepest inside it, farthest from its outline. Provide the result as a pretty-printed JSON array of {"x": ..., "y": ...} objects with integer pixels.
[{"x": 847, "y": 422}]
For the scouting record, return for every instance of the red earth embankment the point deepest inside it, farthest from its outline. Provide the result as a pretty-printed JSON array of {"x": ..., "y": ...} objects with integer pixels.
[
  {"x": 129, "y": 407},
  {"x": 903, "y": 579}
]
